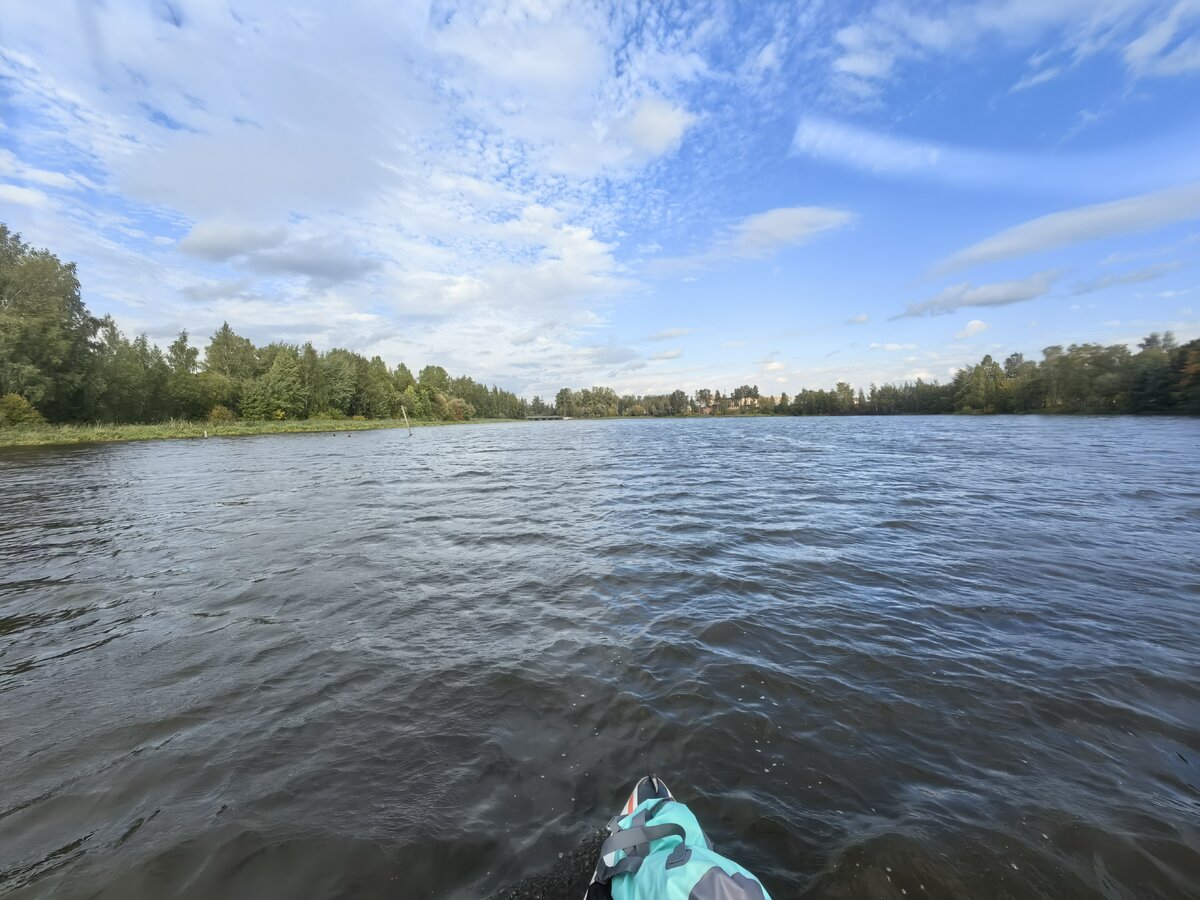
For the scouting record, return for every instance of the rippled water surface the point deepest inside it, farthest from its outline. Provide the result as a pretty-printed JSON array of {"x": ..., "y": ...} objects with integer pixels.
[{"x": 880, "y": 658}]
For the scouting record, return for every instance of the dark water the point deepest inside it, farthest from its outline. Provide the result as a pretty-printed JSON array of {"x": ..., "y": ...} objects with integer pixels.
[{"x": 880, "y": 658}]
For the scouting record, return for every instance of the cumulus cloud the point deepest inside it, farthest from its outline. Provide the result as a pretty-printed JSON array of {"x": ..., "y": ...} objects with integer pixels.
[
  {"x": 1136, "y": 276},
  {"x": 656, "y": 127},
  {"x": 972, "y": 328},
  {"x": 1086, "y": 223},
  {"x": 217, "y": 289},
  {"x": 218, "y": 241},
  {"x": 323, "y": 260},
  {"x": 1000, "y": 293}
]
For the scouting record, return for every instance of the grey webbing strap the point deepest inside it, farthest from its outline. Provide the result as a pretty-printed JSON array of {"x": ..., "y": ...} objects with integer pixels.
[
  {"x": 627, "y": 866},
  {"x": 642, "y": 834},
  {"x": 639, "y": 819},
  {"x": 635, "y": 841}
]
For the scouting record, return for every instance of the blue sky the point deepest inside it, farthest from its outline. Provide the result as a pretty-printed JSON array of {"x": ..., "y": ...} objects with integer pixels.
[{"x": 643, "y": 195}]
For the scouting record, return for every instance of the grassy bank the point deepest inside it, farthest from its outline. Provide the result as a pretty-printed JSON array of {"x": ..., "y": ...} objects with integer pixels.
[{"x": 32, "y": 436}]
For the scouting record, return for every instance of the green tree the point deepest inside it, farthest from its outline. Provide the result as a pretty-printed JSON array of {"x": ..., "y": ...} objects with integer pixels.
[
  {"x": 1152, "y": 381},
  {"x": 340, "y": 376},
  {"x": 46, "y": 332},
  {"x": 312, "y": 381},
  {"x": 183, "y": 387},
  {"x": 434, "y": 378},
  {"x": 230, "y": 354},
  {"x": 403, "y": 378},
  {"x": 982, "y": 388},
  {"x": 564, "y": 403},
  {"x": 278, "y": 390},
  {"x": 379, "y": 397},
  {"x": 130, "y": 379}
]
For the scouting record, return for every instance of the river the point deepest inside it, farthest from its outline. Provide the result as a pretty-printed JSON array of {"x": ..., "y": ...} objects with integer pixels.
[{"x": 943, "y": 657}]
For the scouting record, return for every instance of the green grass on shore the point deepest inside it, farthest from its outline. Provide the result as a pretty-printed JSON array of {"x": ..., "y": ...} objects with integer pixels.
[{"x": 32, "y": 436}]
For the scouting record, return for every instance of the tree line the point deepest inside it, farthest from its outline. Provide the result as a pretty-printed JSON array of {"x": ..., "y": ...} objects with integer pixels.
[
  {"x": 1161, "y": 377},
  {"x": 59, "y": 363}
]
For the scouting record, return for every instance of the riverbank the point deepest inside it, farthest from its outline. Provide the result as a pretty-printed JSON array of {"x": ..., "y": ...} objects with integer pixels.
[{"x": 42, "y": 435}]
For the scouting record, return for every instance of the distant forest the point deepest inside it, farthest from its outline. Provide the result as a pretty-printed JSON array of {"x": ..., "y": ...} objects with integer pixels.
[
  {"x": 1162, "y": 377},
  {"x": 59, "y": 363}
]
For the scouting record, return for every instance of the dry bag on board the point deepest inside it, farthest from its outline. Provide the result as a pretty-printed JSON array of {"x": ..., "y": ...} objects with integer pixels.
[{"x": 656, "y": 850}]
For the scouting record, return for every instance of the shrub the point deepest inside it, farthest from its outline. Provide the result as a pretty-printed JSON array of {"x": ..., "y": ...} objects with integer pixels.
[
  {"x": 279, "y": 415},
  {"x": 16, "y": 410},
  {"x": 333, "y": 414},
  {"x": 220, "y": 415},
  {"x": 359, "y": 418}
]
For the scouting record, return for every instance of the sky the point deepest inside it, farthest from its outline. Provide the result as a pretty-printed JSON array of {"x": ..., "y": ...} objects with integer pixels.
[{"x": 644, "y": 195}]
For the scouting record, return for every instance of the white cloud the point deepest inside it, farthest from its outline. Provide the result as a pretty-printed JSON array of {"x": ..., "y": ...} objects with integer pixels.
[
  {"x": 12, "y": 167},
  {"x": 1001, "y": 293},
  {"x": 1086, "y": 223},
  {"x": 322, "y": 259},
  {"x": 1157, "y": 51},
  {"x": 669, "y": 333},
  {"x": 668, "y": 354},
  {"x": 656, "y": 127},
  {"x": 1147, "y": 34},
  {"x": 860, "y": 319},
  {"x": 1136, "y": 276},
  {"x": 897, "y": 156},
  {"x": 464, "y": 175},
  {"x": 892, "y": 347},
  {"x": 972, "y": 328},
  {"x": 761, "y": 235},
  {"x": 221, "y": 240},
  {"x": 1035, "y": 78},
  {"x": 22, "y": 196},
  {"x": 860, "y": 148}
]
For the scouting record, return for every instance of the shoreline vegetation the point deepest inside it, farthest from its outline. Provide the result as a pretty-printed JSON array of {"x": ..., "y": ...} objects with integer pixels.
[
  {"x": 64, "y": 435},
  {"x": 68, "y": 377}
]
